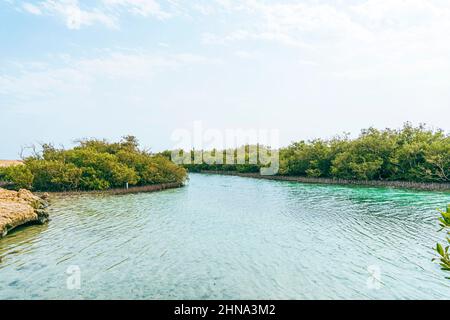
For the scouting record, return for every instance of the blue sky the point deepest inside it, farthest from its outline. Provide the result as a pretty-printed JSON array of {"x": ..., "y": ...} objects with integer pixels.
[{"x": 106, "y": 68}]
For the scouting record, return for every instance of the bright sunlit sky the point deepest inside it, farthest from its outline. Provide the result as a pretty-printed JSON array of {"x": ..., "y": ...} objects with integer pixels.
[{"x": 106, "y": 68}]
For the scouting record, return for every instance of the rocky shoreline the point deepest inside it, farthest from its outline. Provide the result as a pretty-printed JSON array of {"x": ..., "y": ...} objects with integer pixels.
[
  {"x": 117, "y": 191},
  {"x": 19, "y": 208},
  {"x": 22, "y": 207},
  {"x": 423, "y": 186}
]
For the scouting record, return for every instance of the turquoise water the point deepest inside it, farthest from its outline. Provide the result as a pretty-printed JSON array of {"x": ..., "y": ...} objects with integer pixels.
[{"x": 224, "y": 237}]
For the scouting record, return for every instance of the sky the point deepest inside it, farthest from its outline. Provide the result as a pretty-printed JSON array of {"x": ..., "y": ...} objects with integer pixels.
[{"x": 314, "y": 68}]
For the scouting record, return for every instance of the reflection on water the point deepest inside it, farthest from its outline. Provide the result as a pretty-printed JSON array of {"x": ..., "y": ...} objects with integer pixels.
[{"x": 225, "y": 237}]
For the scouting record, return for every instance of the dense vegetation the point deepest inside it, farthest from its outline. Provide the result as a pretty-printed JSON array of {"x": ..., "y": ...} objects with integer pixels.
[
  {"x": 92, "y": 165},
  {"x": 408, "y": 154},
  {"x": 209, "y": 160}
]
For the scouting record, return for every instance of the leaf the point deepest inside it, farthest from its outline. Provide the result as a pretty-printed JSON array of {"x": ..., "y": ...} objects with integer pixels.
[{"x": 439, "y": 249}]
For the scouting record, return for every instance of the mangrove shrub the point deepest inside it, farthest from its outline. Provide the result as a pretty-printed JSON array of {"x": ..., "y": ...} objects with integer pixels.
[
  {"x": 93, "y": 165},
  {"x": 408, "y": 154}
]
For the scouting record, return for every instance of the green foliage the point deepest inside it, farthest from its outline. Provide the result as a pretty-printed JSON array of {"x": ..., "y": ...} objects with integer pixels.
[
  {"x": 93, "y": 165},
  {"x": 161, "y": 170},
  {"x": 53, "y": 175},
  {"x": 311, "y": 159},
  {"x": 367, "y": 158},
  {"x": 246, "y": 159},
  {"x": 20, "y": 176},
  {"x": 408, "y": 154},
  {"x": 443, "y": 251}
]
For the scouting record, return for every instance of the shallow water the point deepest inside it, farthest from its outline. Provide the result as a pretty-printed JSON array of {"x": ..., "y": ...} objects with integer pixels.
[{"x": 224, "y": 237}]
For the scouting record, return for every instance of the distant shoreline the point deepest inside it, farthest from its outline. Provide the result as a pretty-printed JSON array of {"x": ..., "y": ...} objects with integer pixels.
[
  {"x": 117, "y": 191},
  {"x": 423, "y": 186},
  {"x": 8, "y": 163}
]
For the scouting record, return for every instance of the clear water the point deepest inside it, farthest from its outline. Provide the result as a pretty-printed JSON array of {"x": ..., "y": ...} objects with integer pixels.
[{"x": 225, "y": 237}]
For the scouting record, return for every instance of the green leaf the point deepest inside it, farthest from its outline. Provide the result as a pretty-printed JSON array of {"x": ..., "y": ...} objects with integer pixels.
[{"x": 439, "y": 249}]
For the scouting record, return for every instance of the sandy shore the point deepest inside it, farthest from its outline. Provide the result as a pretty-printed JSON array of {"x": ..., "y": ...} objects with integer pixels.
[{"x": 8, "y": 163}]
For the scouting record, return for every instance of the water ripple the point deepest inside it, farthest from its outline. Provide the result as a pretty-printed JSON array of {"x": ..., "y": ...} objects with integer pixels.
[{"x": 226, "y": 237}]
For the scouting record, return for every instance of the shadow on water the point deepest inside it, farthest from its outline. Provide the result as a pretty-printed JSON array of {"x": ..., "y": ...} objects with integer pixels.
[{"x": 20, "y": 240}]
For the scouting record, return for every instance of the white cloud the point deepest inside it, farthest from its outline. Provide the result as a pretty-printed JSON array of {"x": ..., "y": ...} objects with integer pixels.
[
  {"x": 140, "y": 7},
  {"x": 36, "y": 80},
  {"x": 245, "y": 54},
  {"x": 77, "y": 14},
  {"x": 352, "y": 39},
  {"x": 71, "y": 13},
  {"x": 371, "y": 37},
  {"x": 205, "y": 9},
  {"x": 31, "y": 8}
]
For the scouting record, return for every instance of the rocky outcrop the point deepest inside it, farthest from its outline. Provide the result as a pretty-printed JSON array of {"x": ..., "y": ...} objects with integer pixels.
[{"x": 20, "y": 207}]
